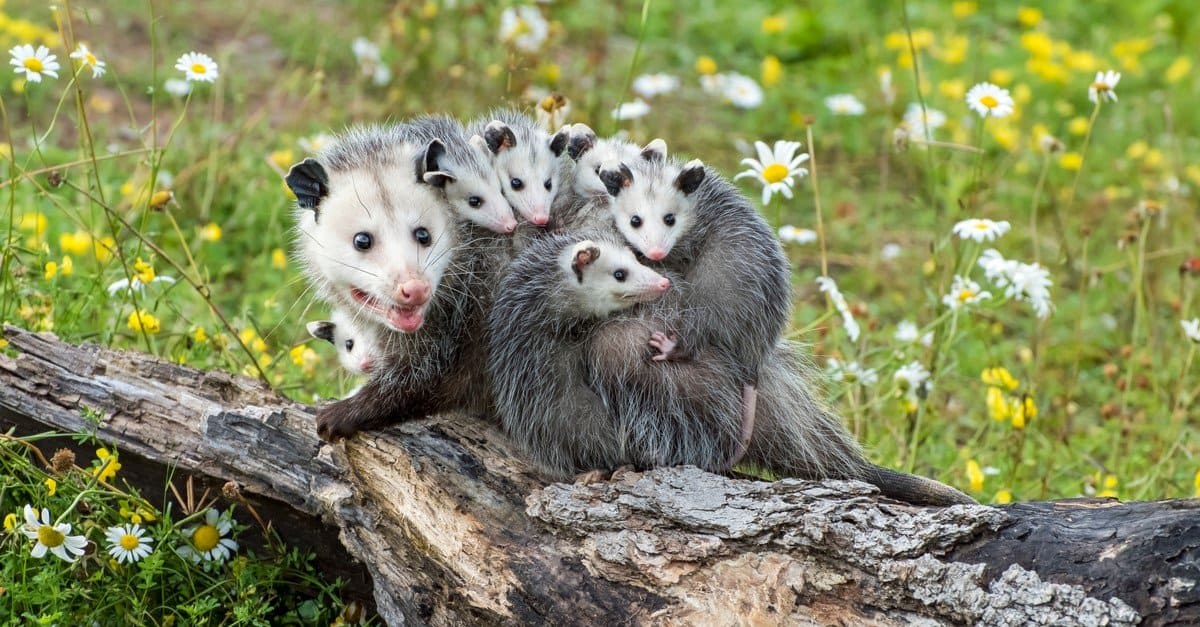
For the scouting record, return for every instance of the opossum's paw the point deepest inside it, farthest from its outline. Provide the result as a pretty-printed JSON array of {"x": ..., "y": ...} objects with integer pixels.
[
  {"x": 336, "y": 422},
  {"x": 592, "y": 476},
  {"x": 621, "y": 471},
  {"x": 664, "y": 344}
]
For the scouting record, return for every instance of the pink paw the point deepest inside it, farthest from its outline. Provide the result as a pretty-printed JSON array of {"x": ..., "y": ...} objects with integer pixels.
[{"x": 664, "y": 344}]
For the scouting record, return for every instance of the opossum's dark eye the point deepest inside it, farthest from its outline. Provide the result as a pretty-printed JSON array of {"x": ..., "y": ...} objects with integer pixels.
[
  {"x": 619, "y": 275},
  {"x": 363, "y": 240},
  {"x": 548, "y": 184},
  {"x": 422, "y": 235},
  {"x": 349, "y": 345},
  {"x": 669, "y": 219},
  {"x": 517, "y": 184},
  {"x": 475, "y": 202},
  {"x": 635, "y": 222}
]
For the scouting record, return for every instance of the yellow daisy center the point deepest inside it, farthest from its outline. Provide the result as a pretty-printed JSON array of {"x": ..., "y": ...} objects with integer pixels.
[
  {"x": 989, "y": 101},
  {"x": 965, "y": 296},
  {"x": 50, "y": 537},
  {"x": 90, "y": 58},
  {"x": 130, "y": 542},
  {"x": 521, "y": 28},
  {"x": 205, "y": 538},
  {"x": 982, "y": 226},
  {"x": 1100, "y": 86},
  {"x": 34, "y": 64},
  {"x": 774, "y": 173},
  {"x": 199, "y": 68}
]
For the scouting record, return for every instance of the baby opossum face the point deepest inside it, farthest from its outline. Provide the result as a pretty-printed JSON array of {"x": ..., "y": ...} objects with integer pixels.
[
  {"x": 606, "y": 277},
  {"x": 358, "y": 344},
  {"x": 527, "y": 169},
  {"x": 469, "y": 184},
  {"x": 375, "y": 241},
  {"x": 652, "y": 201},
  {"x": 591, "y": 155}
]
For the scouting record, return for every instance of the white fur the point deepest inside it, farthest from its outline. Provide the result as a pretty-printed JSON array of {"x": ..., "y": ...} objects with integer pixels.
[
  {"x": 381, "y": 198},
  {"x": 652, "y": 196},
  {"x": 607, "y": 154},
  {"x": 495, "y": 214},
  {"x": 358, "y": 343},
  {"x": 533, "y": 163},
  {"x": 600, "y": 293}
]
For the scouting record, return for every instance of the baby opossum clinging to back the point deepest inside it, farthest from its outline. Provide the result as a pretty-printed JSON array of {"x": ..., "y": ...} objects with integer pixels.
[
  {"x": 525, "y": 159},
  {"x": 377, "y": 243},
  {"x": 358, "y": 345}
]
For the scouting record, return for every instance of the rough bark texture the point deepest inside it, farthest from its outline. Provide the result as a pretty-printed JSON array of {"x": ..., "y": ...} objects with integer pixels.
[{"x": 454, "y": 529}]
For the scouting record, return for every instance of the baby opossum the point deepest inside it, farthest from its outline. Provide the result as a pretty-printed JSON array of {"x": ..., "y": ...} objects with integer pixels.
[
  {"x": 462, "y": 168},
  {"x": 358, "y": 344},
  {"x": 526, "y": 161},
  {"x": 591, "y": 155},
  {"x": 377, "y": 243}
]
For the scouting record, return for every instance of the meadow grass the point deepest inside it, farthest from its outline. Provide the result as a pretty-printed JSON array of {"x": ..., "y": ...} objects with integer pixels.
[{"x": 1098, "y": 397}]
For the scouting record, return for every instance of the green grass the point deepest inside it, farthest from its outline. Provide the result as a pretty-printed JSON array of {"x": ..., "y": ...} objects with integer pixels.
[{"x": 1110, "y": 371}]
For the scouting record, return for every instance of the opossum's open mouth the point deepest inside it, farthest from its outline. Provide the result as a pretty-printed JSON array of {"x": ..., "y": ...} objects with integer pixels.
[
  {"x": 639, "y": 297},
  {"x": 399, "y": 317}
]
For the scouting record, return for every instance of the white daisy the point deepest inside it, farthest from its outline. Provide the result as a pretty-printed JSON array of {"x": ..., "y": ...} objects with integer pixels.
[
  {"x": 207, "y": 540},
  {"x": 988, "y": 99},
  {"x": 852, "y": 372},
  {"x": 886, "y": 88},
  {"x": 830, "y": 288},
  {"x": 1104, "y": 87},
  {"x": 197, "y": 67},
  {"x": 713, "y": 84},
  {"x": 890, "y": 251},
  {"x": 128, "y": 543},
  {"x": 382, "y": 75},
  {"x": 651, "y": 85},
  {"x": 981, "y": 230},
  {"x": 177, "y": 87},
  {"x": 1029, "y": 282},
  {"x": 365, "y": 51},
  {"x": 845, "y": 104},
  {"x": 34, "y": 63},
  {"x": 88, "y": 59},
  {"x": 907, "y": 332},
  {"x": 52, "y": 537},
  {"x": 631, "y": 110},
  {"x": 1191, "y": 328},
  {"x": 741, "y": 91},
  {"x": 918, "y": 120},
  {"x": 775, "y": 168},
  {"x": 789, "y": 233},
  {"x": 136, "y": 284},
  {"x": 913, "y": 379},
  {"x": 964, "y": 291},
  {"x": 524, "y": 27}
]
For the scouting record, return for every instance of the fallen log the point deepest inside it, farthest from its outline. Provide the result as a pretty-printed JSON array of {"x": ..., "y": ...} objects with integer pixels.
[{"x": 455, "y": 529}]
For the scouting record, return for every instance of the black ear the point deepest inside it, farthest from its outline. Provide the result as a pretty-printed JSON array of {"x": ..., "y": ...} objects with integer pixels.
[
  {"x": 309, "y": 182},
  {"x": 428, "y": 167},
  {"x": 499, "y": 137},
  {"x": 691, "y": 177},
  {"x": 615, "y": 180},
  {"x": 583, "y": 139},
  {"x": 585, "y": 254},
  {"x": 321, "y": 329},
  {"x": 558, "y": 143},
  {"x": 655, "y": 151}
]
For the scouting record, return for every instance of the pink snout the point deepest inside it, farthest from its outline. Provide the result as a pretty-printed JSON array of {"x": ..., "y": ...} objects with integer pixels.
[
  {"x": 366, "y": 365},
  {"x": 663, "y": 284},
  {"x": 508, "y": 225},
  {"x": 655, "y": 254},
  {"x": 413, "y": 292}
]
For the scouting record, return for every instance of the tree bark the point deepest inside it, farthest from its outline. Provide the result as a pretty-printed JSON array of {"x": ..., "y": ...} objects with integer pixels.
[{"x": 455, "y": 529}]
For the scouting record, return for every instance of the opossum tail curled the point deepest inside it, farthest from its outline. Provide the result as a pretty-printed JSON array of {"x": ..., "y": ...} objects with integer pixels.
[{"x": 913, "y": 488}]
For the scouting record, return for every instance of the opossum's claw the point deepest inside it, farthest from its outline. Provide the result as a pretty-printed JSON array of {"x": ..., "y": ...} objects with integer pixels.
[
  {"x": 664, "y": 344},
  {"x": 335, "y": 422}
]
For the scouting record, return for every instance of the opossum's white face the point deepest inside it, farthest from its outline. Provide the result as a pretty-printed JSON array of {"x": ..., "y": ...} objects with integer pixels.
[
  {"x": 374, "y": 241},
  {"x": 606, "y": 154},
  {"x": 469, "y": 184},
  {"x": 606, "y": 278},
  {"x": 527, "y": 169},
  {"x": 652, "y": 202},
  {"x": 358, "y": 343}
]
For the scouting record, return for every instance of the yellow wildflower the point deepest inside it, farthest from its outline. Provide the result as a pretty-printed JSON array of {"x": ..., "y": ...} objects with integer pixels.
[
  {"x": 1029, "y": 16},
  {"x": 999, "y": 377},
  {"x": 51, "y": 270},
  {"x": 1021, "y": 94},
  {"x": 1196, "y": 485},
  {"x": 161, "y": 198},
  {"x": 1078, "y": 125},
  {"x": 1001, "y": 77},
  {"x": 974, "y": 475},
  {"x": 1023, "y": 410},
  {"x": 77, "y": 243},
  {"x": 103, "y": 248},
  {"x": 3, "y": 343},
  {"x": 108, "y": 467},
  {"x": 1137, "y": 150},
  {"x": 51, "y": 487},
  {"x": 1047, "y": 70},
  {"x": 1082, "y": 61},
  {"x": 706, "y": 65},
  {"x": 1006, "y": 136},
  {"x": 774, "y": 24},
  {"x": 1153, "y": 158},
  {"x": 210, "y": 232},
  {"x": 1108, "y": 484},
  {"x": 772, "y": 70},
  {"x": 954, "y": 50},
  {"x": 1179, "y": 68},
  {"x": 429, "y": 10},
  {"x": 199, "y": 335},
  {"x": 278, "y": 258},
  {"x": 997, "y": 405},
  {"x": 143, "y": 321},
  {"x": 259, "y": 345},
  {"x": 304, "y": 357},
  {"x": 1037, "y": 44},
  {"x": 67, "y": 267},
  {"x": 143, "y": 271},
  {"x": 247, "y": 335},
  {"x": 283, "y": 159},
  {"x": 963, "y": 9},
  {"x": 1071, "y": 161},
  {"x": 1003, "y": 496},
  {"x": 34, "y": 223},
  {"x": 550, "y": 72},
  {"x": 953, "y": 89}
]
